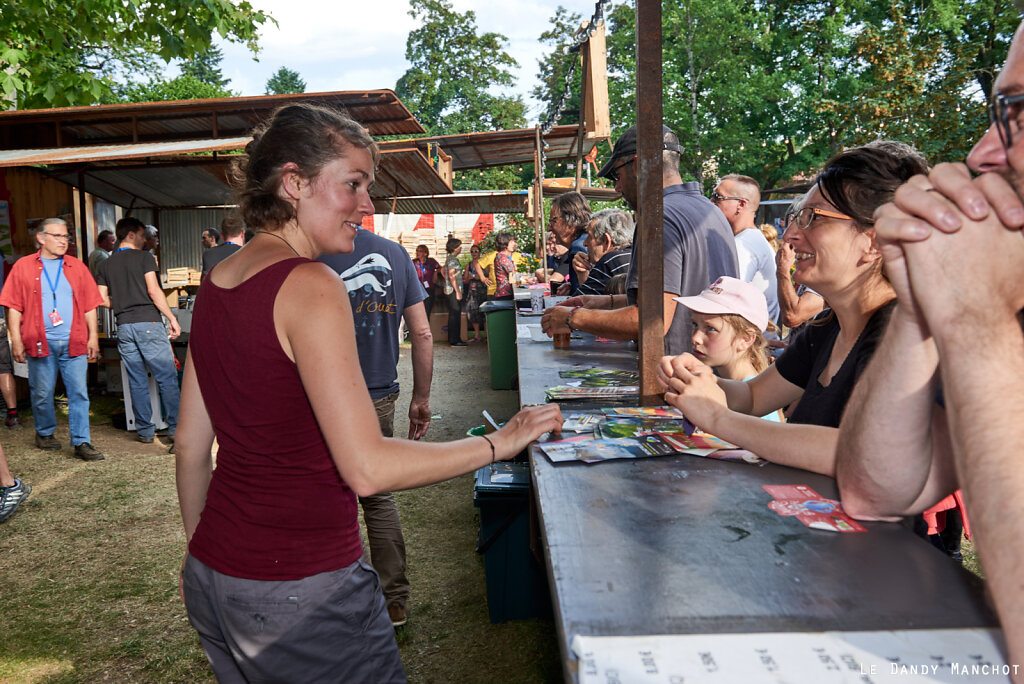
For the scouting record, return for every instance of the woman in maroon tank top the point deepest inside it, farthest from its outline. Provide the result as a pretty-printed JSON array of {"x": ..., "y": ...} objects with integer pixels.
[{"x": 273, "y": 579}]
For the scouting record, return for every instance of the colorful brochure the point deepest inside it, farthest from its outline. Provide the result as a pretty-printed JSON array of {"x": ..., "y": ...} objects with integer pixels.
[{"x": 811, "y": 508}]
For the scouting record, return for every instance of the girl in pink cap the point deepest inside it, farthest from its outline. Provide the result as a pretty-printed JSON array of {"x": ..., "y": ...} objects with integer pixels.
[{"x": 729, "y": 319}]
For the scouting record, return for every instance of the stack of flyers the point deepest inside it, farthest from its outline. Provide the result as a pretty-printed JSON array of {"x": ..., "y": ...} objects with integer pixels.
[
  {"x": 563, "y": 392},
  {"x": 659, "y": 414},
  {"x": 581, "y": 422},
  {"x": 631, "y": 426},
  {"x": 595, "y": 450},
  {"x": 600, "y": 377},
  {"x": 699, "y": 440},
  {"x": 662, "y": 411}
]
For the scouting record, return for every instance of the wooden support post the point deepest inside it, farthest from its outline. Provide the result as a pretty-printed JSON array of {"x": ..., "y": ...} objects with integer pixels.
[
  {"x": 595, "y": 85},
  {"x": 541, "y": 233},
  {"x": 649, "y": 169},
  {"x": 83, "y": 228},
  {"x": 584, "y": 96}
]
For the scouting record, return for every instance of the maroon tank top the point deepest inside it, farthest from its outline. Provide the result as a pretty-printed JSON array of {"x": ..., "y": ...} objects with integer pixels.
[{"x": 277, "y": 508}]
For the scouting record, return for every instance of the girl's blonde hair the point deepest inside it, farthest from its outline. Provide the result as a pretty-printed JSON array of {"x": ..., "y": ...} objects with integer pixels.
[{"x": 757, "y": 354}]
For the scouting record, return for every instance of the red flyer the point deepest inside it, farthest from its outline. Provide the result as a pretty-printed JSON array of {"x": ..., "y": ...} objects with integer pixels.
[{"x": 810, "y": 508}]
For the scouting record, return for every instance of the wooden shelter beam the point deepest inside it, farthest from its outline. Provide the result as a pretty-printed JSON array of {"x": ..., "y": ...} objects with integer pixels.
[{"x": 649, "y": 168}]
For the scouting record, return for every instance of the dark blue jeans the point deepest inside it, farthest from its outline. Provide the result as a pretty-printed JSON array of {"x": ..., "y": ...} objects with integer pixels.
[
  {"x": 42, "y": 378},
  {"x": 142, "y": 344}
]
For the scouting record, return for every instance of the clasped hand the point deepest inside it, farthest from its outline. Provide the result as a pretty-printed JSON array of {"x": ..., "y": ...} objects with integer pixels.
[
  {"x": 692, "y": 387},
  {"x": 952, "y": 246}
]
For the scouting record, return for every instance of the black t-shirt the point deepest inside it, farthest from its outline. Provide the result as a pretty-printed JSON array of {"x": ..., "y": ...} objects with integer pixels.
[
  {"x": 124, "y": 274},
  {"x": 807, "y": 355},
  {"x": 215, "y": 255}
]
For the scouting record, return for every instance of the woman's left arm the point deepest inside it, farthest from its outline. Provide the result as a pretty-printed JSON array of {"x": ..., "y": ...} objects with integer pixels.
[{"x": 705, "y": 400}]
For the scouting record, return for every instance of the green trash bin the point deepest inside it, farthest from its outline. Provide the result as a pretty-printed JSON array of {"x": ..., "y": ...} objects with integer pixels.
[
  {"x": 517, "y": 587},
  {"x": 501, "y": 342}
]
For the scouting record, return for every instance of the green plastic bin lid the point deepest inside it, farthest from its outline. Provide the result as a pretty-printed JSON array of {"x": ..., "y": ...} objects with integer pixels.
[{"x": 498, "y": 305}]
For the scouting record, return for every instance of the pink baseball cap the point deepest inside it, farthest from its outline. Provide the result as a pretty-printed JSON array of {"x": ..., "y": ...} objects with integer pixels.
[{"x": 731, "y": 296}]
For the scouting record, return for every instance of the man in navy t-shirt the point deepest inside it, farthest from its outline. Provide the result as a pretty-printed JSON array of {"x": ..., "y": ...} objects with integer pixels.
[{"x": 383, "y": 288}]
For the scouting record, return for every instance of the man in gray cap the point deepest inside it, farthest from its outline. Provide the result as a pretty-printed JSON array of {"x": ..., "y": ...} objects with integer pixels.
[{"x": 698, "y": 248}]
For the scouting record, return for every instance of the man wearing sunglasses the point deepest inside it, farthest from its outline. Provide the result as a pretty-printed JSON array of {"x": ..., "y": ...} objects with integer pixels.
[
  {"x": 940, "y": 405},
  {"x": 697, "y": 247},
  {"x": 738, "y": 198},
  {"x": 51, "y": 300}
]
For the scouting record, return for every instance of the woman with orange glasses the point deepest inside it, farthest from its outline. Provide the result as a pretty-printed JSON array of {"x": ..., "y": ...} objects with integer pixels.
[{"x": 837, "y": 256}]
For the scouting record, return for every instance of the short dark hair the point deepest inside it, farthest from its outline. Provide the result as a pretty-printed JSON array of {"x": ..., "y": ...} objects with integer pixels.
[
  {"x": 231, "y": 226},
  {"x": 104, "y": 234},
  {"x": 859, "y": 180},
  {"x": 575, "y": 210},
  {"x": 310, "y": 136},
  {"x": 214, "y": 233},
  {"x": 128, "y": 225},
  {"x": 502, "y": 239},
  {"x": 452, "y": 244}
]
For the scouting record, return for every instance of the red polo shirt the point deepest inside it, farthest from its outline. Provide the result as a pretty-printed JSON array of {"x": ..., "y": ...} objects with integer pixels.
[{"x": 23, "y": 292}]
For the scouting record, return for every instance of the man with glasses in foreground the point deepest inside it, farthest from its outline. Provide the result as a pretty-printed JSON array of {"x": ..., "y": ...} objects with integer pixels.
[
  {"x": 697, "y": 247},
  {"x": 940, "y": 404},
  {"x": 51, "y": 300}
]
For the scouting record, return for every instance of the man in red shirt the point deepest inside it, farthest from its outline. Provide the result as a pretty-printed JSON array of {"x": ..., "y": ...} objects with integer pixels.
[{"x": 52, "y": 300}]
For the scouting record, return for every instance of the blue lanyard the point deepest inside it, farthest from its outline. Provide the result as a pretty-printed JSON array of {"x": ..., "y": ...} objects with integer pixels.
[
  {"x": 121, "y": 249},
  {"x": 53, "y": 285}
]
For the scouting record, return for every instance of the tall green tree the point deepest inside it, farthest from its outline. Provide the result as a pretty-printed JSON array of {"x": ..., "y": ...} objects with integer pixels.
[
  {"x": 453, "y": 70},
  {"x": 772, "y": 89},
  {"x": 71, "y": 53},
  {"x": 285, "y": 81},
  {"x": 205, "y": 67}
]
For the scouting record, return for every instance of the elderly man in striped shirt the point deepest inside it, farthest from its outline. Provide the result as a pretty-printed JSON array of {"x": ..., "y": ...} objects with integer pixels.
[{"x": 609, "y": 246}]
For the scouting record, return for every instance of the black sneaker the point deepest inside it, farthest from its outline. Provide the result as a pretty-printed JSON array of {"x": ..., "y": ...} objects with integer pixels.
[
  {"x": 11, "y": 498},
  {"x": 13, "y": 422},
  {"x": 86, "y": 452},
  {"x": 47, "y": 442}
]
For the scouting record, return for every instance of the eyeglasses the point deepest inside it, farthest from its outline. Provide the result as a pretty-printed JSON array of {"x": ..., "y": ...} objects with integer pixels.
[
  {"x": 64, "y": 237},
  {"x": 1004, "y": 111},
  {"x": 613, "y": 173},
  {"x": 553, "y": 218},
  {"x": 716, "y": 198},
  {"x": 808, "y": 215}
]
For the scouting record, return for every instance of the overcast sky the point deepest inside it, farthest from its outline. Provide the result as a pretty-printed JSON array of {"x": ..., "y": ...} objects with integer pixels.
[{"x": 361, "y": 45}]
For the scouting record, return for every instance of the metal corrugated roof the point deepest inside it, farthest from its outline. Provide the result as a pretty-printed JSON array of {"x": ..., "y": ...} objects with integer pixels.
[
  {"x": 478, "y": 202},
  {"x": 95, "y": 153},
  {"x": 379, "y": 110},
  {"x": 405, "y": 172},
  {"x": 499, "y": 148},
  {"x": 161, "y": 185},
  {"x": 159, "y": 175}
]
